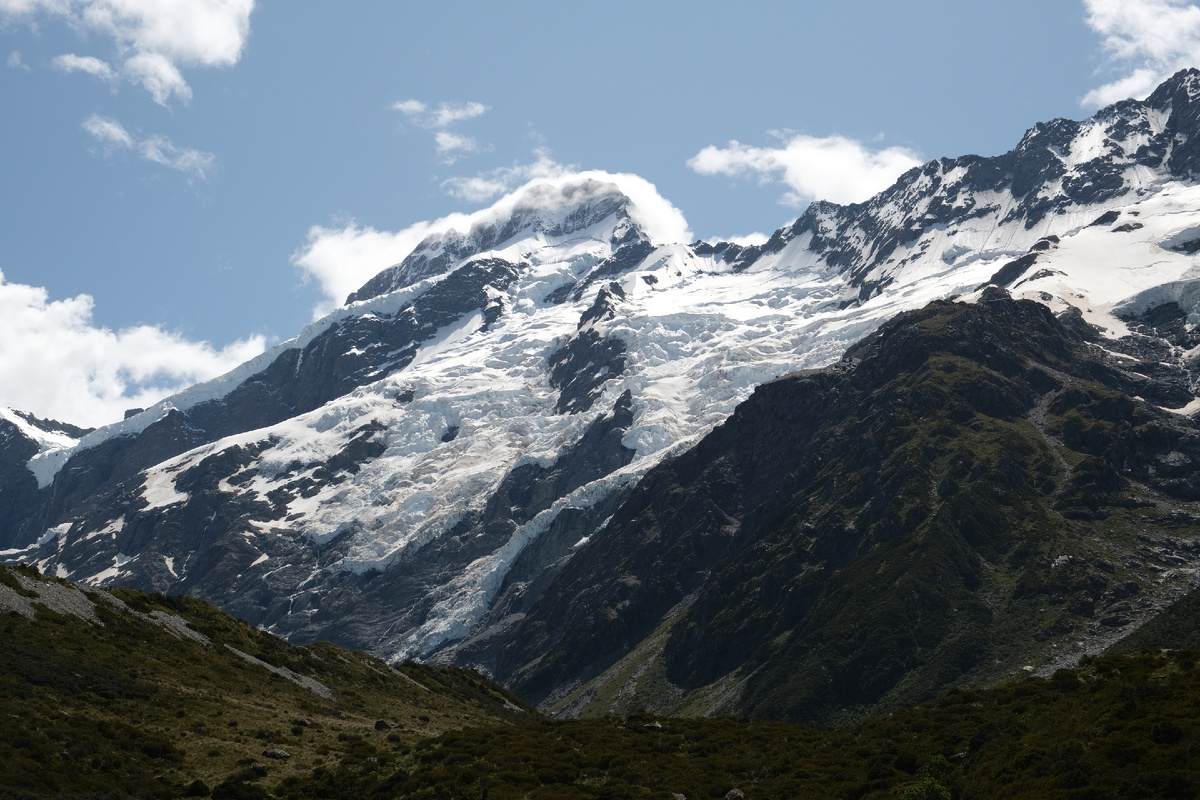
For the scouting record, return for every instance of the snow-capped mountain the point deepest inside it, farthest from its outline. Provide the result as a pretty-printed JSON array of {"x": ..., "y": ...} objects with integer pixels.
[{"x": 465, "y": 425}]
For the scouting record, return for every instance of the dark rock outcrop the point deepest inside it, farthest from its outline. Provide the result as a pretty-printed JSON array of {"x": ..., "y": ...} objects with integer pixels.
[{"x": 590, "y": 359}]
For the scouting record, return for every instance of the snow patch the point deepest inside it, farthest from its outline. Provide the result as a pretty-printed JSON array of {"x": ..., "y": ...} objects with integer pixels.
[
  {"x": 111, "y": 529},
  {"x": 159, "y": 490},
  {"x": 53, "y": 447},
  {"x": 53, "y": 533},
  {"x": 102, "y": 577}
]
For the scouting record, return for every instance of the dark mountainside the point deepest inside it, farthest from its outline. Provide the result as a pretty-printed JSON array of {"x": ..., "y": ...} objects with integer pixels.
[
  {"x": 1116, "y": 728},
  {"x": 972, "y": 490}
]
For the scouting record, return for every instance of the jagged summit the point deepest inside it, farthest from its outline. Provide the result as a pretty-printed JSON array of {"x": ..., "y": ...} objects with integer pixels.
[
  {"x": 951, "y": 210},
  {"x": 542, "y": 213},
  {"x": 1184, "y": 84}
]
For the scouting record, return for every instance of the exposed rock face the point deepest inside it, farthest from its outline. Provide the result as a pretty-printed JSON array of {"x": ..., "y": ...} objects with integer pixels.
[
  {"x": 17, "y": 498},
  {"x": 581, "y": 367}
]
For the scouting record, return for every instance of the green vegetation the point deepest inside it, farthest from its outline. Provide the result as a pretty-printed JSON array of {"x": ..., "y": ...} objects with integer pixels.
[
  {"x": 1119, "y": 727},
  {"x": 123, "y": 705}
]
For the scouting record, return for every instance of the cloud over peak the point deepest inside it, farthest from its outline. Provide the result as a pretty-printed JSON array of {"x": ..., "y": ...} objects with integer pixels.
[
  {"x": 341, "y": 259},
  {"x": 1144, "y": 42},
  {"x": 493, "y": 183}
]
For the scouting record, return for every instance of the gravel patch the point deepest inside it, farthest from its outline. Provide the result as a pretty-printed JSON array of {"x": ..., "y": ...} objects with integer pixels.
[
  {"x": 66, "y": 600},
  {"x": 13, "y": 603},
  {"x": 316, "y": 687}
]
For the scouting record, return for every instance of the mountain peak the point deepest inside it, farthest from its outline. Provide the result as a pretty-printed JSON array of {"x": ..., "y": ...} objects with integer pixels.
[
  {"x": 620, "y": 208},
  {"x": 1183, "y": 84}
]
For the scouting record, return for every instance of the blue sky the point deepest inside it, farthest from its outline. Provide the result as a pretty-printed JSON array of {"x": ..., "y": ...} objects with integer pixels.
[{"x": 187, "y": 181}]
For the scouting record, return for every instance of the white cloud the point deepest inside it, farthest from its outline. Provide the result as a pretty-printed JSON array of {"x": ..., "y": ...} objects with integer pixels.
[
  {"x": 445, "y": 115},
  {"x": 486, "y": 185},
  {"x": 1145, "y": 42},
  {"x": 343, "y": 259},
  {"x": 158, "y": 76},
  {"x": 154, "y": 38},
  {"x": 410, "y": 108},
  {"x": 108, "y": 132},
  {"x": 832, "y": 168},
  {"x": 450, "y": 145},
  {"x": 478, "y": 188},
  {"x": 92, "y": 66},
  {"x": 55, "y": 362},
  {"x": 749, "y": 240},
  {"x": 14, "y": 61},
  {"x": 450, "y": 113},
  {"x": 158, "y": 149}
]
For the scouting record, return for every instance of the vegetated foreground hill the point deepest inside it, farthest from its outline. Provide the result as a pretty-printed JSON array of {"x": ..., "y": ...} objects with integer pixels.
[
  {"x": 1118, "y": 727},
  {"x": 975, "y": 492},
  {"x": 155, "y": 696},
  {"x": 127, "y": 694}
]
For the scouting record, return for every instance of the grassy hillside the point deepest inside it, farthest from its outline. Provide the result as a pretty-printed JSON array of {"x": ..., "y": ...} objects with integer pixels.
[
  {"x": 1120, "y": 727},
  {"x": 1176, "y": 628},
  {"x": 126, "y": 694},
  {"x": 157, "y": 696}
]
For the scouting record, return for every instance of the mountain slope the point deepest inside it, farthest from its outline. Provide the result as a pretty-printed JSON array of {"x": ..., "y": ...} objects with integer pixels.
[
  {"x": 972, "y": 490},
  {"x": 1116, "y": 727},
  {"x": 130, "y": 695},
  {"x": 142, "y": 695},
  {"x": 412, "y": 472}
]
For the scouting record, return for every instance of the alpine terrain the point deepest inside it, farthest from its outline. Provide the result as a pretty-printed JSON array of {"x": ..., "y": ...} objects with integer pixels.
[{"x": 942, "y": 437}]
